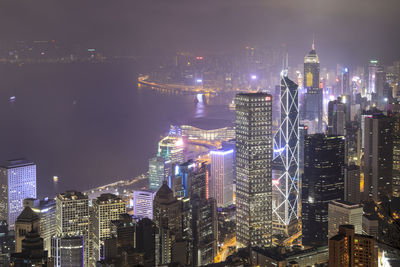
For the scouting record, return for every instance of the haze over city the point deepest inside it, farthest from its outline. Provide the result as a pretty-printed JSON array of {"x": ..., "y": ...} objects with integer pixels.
[{"x": 200, "y": 133}]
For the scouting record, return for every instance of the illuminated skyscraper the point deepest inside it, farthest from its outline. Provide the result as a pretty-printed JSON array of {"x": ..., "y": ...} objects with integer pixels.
[
  {"x": 285, "y": 183},
  {"x": 106, "y": 208},
  {"x": 336, "y": 117},
  {"x": 372, "y": 69},
  {"x": 378, "y": 157},
  {"x": 159, "y": 171},
  {"x": 221, "y": 185},
  {"x": 18, "y": 181},
  {"x": 322, "y": 182},
  {"x": 343, "y": 212},
  {"x": 313, "y": 110},
  {"x": 72, "y": 218},
  {"x": 253, "y": 169},
  {"x": 143, "y": 204},
  {"x": 171, "y": 148}
]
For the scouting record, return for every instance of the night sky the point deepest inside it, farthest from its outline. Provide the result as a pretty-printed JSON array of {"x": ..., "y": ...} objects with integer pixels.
[{"x": 347, "y": 31}]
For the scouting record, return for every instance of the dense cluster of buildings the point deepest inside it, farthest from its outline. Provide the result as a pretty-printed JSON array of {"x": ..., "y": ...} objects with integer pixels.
[{"x": 316, "y": 185}]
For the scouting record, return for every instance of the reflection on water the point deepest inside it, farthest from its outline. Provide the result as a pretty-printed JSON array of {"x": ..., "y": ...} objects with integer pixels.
[{"x": 200, "y": 107}]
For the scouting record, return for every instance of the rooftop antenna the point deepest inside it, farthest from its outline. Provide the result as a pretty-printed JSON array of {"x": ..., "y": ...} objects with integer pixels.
[{"x": 285, "y": 68}]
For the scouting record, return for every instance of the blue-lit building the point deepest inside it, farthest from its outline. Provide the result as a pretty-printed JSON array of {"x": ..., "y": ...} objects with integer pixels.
[
  {"x": 190, "y": 178},
  {"x": 18, "y": 181}
]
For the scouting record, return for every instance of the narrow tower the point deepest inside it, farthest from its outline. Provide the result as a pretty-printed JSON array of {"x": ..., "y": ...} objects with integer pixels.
[{"x": 285, "y": 181}]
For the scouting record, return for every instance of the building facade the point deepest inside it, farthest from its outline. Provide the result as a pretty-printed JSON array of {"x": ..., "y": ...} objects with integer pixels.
[
  {"x": 106, "y": 208},
  {"x": 322, "y": 183},
  {"x": 285, "y": 183},
  {"x": 253, "y": 169},
  {"x": 18, "y": 181},
  {"x": 143, "y": 204},
  {"x": 343, "y": 212},
  {"x": 221, "y": 182},
  {"x": 72, "y": 218}
]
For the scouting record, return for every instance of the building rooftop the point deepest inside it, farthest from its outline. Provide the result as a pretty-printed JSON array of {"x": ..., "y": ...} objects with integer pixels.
[
  {"x": 209, "y": 124},
  {"x": 72, "y": 195},
  {"x": 108, "y": 198},
  {"x": 27, "y": 215},
  {"x": 345, "y": 204},
  {"x": 15, "y": 163}
]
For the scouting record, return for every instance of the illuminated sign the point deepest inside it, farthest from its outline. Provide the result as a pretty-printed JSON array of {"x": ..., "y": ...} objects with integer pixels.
[{"x": 267, "y": 98}]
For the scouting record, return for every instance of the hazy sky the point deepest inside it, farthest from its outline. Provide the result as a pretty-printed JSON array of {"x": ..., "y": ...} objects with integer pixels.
[{"x": 347, "y": 31}]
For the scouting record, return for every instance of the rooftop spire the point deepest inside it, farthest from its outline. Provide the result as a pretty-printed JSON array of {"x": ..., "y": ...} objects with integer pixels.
[{"x": 313, "y": 42}]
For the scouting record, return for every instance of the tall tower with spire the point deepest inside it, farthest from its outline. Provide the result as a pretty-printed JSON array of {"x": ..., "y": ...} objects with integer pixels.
[
  {"x": 285, "y": 183},
  {"x": 313, "y": 99}
]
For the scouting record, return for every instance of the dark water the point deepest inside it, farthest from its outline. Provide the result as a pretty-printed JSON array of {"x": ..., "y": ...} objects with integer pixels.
[{"x": 89, "y": 124}]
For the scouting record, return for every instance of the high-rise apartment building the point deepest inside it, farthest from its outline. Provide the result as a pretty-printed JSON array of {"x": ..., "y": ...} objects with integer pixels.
[
  {"x": 254, "y": 146},
  {"x": 313, "y": 110},
  {"x": 72, "y": 218},
  {"x": 143, "y": 204},
  {"x": 285, "y": 183},
  {"x": 221, "y": 181},
  {"x": 348, "y": 249},
  {"x": 322, "y": 182},
  {"x": 159, "y": 171},
  {"x": 106, "y": 208},
  {"x": 18, "y": 181},
  {"x": 343, "y": 212},
  {"x": 378, "y": 157}
]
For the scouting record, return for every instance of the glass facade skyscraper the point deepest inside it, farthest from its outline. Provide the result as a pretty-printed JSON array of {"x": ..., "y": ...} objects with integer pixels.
[
  {"x": 285, "y": 183},
  {"x": 313, "y": 100},
  {"x": 253, "y": 169},
  {"x": 18, "y": 181},
  {"x": 322, "y": 182}
]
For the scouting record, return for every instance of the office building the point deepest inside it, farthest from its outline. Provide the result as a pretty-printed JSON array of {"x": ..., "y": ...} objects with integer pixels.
[
  {"x": 32, "y": 253},
  {"x": 26, "y": 222},
  {"x": 205, "y": 231},
  {"x": 221, "y": 182},
  {"x": 72, "y": 218},
  {"x": 46, "y": 210},
  {"x": 378, "y": 157},
  {"x": 322, "y": 183},
  {"x": 68, "y": 251},
  {"x": 159, "y": 171},
  {"x": 285, "y": 183},
  {"x": 106, "y": 208},
  {"x": 313, "y": 110},
  {"x": 348, "y": 249},
  {"x": 352, "y": 181},
  {"x": 18, "y": 178},
  {"x": 143, "y": 204},
  {"x": 343, "y": 212},
  {"x": 396, "y": 154},
  {"x": 372, "y": 69},
  {"x": 171, "y": 148},
  {"x": 303, "y": 131},
  {"x": 254, "y": 147},
  {"x": 337, "y": 117},
  {"x": 346, "y": 82},
  {"x": 146, "y": 234},
  {"x": 190, "y": 178},
  {"x": 370, "y": 225},
  {"x": 167, "y": 215}
]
